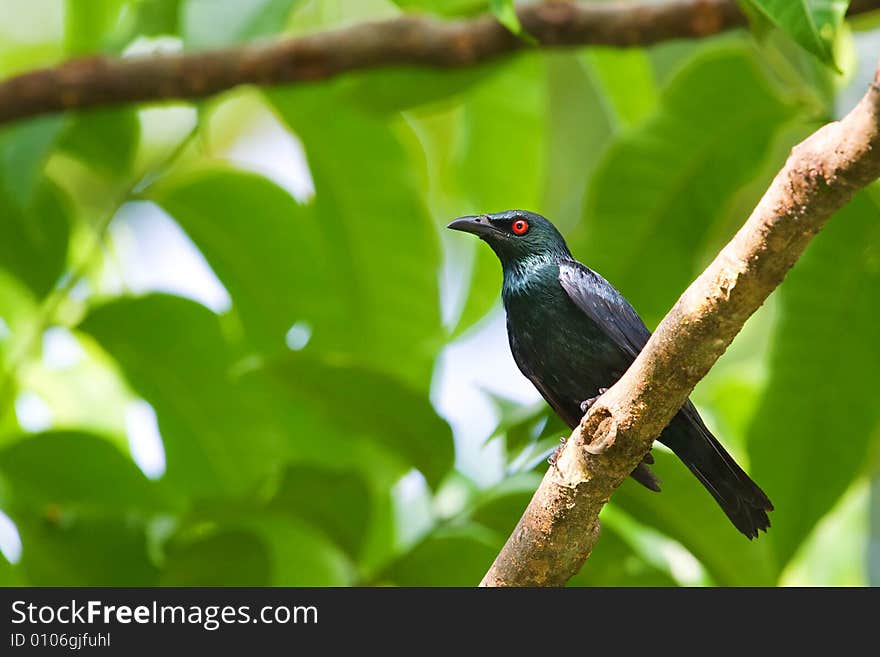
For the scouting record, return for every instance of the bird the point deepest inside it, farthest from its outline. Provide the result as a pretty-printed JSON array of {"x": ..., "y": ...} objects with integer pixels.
[{"x": 573, "y": 335}]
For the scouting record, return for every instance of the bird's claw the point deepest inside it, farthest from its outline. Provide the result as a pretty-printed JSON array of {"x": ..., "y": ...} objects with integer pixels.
[{"x": 587, "y": 403}]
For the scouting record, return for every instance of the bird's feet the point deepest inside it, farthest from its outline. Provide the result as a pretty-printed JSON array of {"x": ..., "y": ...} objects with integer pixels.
[
  {"x": 556, "y": 452},
  {"x": 585, "y": 405}
]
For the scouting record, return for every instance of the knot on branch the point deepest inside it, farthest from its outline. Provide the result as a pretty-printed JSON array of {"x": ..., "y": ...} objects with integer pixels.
[{"x": 599, "y": 431}]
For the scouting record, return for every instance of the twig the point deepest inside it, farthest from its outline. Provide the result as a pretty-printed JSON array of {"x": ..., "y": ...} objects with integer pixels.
[{"x": 406, "y": 41}]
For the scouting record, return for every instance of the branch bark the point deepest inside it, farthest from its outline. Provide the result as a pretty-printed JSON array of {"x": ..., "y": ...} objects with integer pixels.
[
  {"x": 560, "y": 526},
  {"x": 405, "y": 41}
]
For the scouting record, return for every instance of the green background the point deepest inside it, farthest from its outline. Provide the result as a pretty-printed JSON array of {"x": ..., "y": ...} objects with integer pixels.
[{"x": 290, "y": 417}]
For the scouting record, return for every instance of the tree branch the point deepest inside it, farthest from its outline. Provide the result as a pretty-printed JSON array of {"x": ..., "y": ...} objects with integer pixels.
[
  {"x": 560, "y": 526},
  {"x": 405, "y": 41}
]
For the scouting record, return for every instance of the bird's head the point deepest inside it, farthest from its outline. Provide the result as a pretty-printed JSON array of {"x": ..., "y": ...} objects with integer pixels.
[{"x": 514, "y": 235}]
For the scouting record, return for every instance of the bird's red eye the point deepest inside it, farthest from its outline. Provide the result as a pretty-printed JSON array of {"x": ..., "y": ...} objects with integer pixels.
[{"x": 520, "y": 227}]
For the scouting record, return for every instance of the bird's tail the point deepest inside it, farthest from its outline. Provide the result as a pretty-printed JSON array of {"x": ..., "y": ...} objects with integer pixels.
[{"x": 739, "y": 497}]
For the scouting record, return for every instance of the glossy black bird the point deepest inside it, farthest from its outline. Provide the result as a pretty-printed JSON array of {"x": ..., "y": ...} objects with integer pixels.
[{"x": 572, "y": 334}]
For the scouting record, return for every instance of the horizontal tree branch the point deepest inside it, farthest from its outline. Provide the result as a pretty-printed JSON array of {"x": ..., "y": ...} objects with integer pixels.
[
  {"x": 560, "y": 526},
  {"x": 405, "y": 41}
]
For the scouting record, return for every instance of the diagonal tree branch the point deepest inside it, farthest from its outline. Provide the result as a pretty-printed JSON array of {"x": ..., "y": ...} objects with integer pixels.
[
  {"x": 560, "y": 526},
  {"x": 405, "y": 41}
]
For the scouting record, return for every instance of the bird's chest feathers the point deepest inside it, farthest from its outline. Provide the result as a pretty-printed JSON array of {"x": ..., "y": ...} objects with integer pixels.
[
  {"x": 542, "y": 321},
  {"x": 550, "y": 335}
]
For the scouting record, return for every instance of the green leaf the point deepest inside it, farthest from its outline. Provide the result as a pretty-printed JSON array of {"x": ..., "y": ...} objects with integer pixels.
[
  {"x": 228, "y": 558},
  {"x": 813, "y": 432},
  {"x": 284, "y": 551},
  {"x": 813, "y": 24},
  {"x": 337, "y": 503},
  {"x": 399, "y": 89},
  {"x": 446, "y": 7},
  {"x": 174, "y": 354},
  {"x": 106, "y": 139},
  {"x": 505, "y": 12},
  {"x": 613, "y": 562},
  {"x": 24, "y": 149},
  {"x": 34, "y": 239},
  {"x": 216, "y": 23},
  {"x": 85, "y": 551},
  {"x": 686, "y": 512},
  {"x": 91, "y": 24},
  {"x": 266, "y": 249},
  {"x": 157, "y": 17},
  {"x": 457, "y": 556},
  {"x": 80, "y": 506},
  {"x": 654, "y": 198},
  {"x": 525, "y": 425},
  {"x": 360, "y": 401},
  {"x": 75, "y": 473},
  {"x": 627, "y": 80},
  {"x": 379, "y": 244},
  {"x": 500, "y": 508},
  {"x": 300, "y": 555},
  {"x": 484, "y": 290},
  {"x": 580, "y": 123},
  {"x": 501, "y": 161},
  {"x": 10, "y": 575}
]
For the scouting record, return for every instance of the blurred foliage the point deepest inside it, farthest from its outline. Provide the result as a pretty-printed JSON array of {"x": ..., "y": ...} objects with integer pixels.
[
  {"x": 296, "y": 437},
  {"x": 812, "y": 24}
]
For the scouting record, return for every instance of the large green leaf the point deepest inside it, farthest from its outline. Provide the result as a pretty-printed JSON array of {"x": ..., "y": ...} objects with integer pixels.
[
  {"x": 505, "y": 13},
  {"x": 502, "y": 155},
  {"x": 499, "y": 508},
  {"x": 361, "y": 401},
  {"x": 10, "y": 575},
  {"x": 24, "y": 149},
  {"x": 580, "y": 123},
  {"x": 282, "y": 550},
  {"x": 216, "y": 23},
  {"x": 399, "y": 89},
  {"x": 105, "y": 139},
  {"x": 812, "y": 433},
  {"x": 379, "y": 242},
  {"x": 33, "y": 239},
  {"x": 686, "y": 512},
  {"x": 75, "y": 473},
  {"x": 458, "y": 556},
  {"x": 627, "y": 79},
  {"x": 445, "y": 7},
  {"x": 228, "y": 558},
  {"x": 85, "y": 551},
  {"x": 175, "y": 355},
  {"x": 338, "y": 503},
  {"x": 613, "y": 562},
  {"x": 813, "y": 24},
  {"x": 660, "y": 188},
  {"x": 267, "y": 250},
  {"x": 91, "y": 24},
  {"x": 158, "y": 17},
  {"x": 80, "y": 506},
  {"x": 300, "y": 555}
]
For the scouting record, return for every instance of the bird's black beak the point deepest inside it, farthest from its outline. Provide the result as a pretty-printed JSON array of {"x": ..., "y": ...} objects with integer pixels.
[{"x": 477, "y": 224}]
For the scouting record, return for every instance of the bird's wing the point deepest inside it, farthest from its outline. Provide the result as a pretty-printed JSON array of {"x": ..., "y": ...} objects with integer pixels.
[{"x": 598, "y": 299}]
